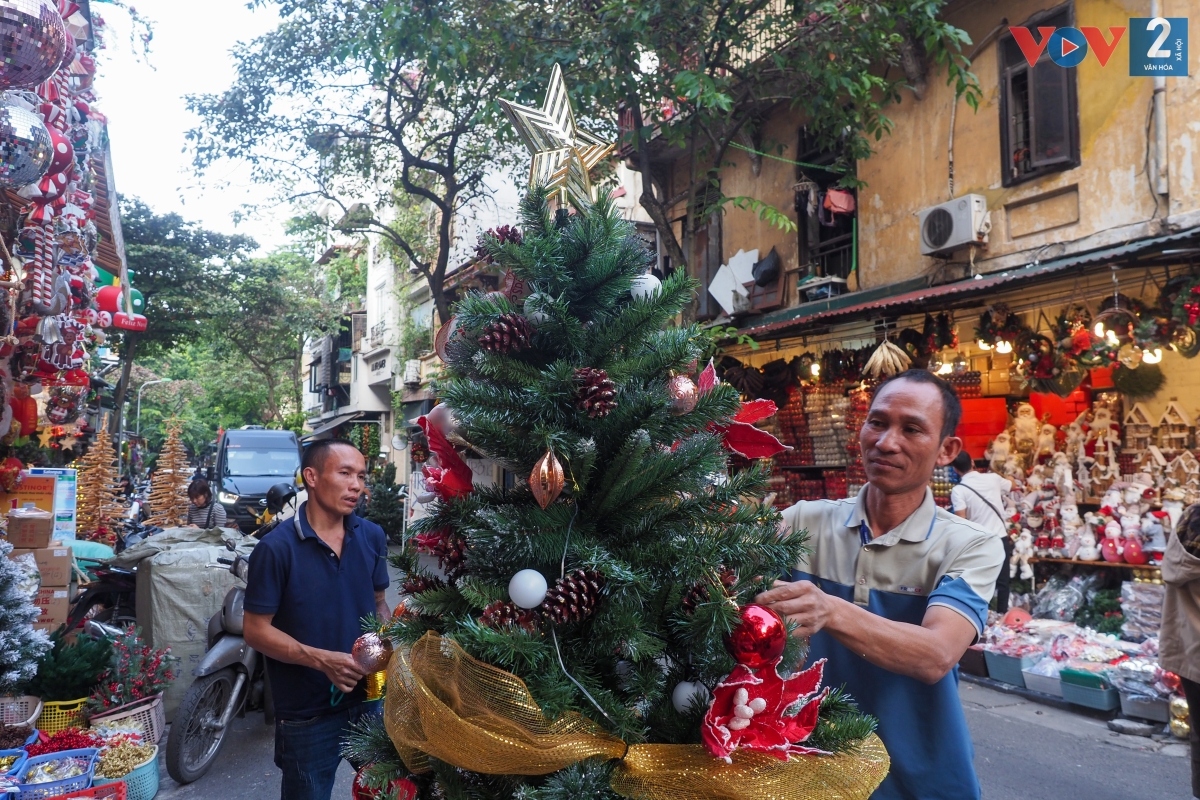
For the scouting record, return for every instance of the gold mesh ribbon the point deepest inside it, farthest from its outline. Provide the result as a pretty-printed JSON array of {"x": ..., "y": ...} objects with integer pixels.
[{"x": 443, "y": 703}]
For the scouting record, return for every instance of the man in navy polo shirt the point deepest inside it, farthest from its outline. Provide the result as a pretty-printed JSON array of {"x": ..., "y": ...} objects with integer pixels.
[
  {"x": 312, "y": 580},
  {"x": 896, "y": 589}
]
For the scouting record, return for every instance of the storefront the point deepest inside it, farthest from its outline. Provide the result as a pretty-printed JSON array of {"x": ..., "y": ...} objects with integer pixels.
[{"x": 1076, "y": 384}]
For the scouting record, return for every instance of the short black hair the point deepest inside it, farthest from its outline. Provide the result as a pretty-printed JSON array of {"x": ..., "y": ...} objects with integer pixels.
[
  {"x": 197, "y": 488},
  {"x": 951, "y": 405},
  {"x": 317, "y": 453},
  {"x": 962, "y": 462}
]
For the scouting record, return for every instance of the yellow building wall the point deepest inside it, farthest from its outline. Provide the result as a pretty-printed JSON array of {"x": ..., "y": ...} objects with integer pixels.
[{"x": 1107, "y": 197}]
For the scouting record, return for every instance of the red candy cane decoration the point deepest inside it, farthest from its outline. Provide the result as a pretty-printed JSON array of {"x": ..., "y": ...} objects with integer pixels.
[{"x": 39, "y": 272}]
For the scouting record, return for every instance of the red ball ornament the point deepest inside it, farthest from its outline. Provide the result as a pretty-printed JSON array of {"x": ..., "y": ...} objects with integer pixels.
[
  {"x": 372, "y": 652},
  {"x": 399, "y": 788},
  {"x": 759, "y": 639}
]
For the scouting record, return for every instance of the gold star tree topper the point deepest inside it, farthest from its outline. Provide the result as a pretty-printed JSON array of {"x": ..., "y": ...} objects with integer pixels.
[{"x": 564, "y": 154}]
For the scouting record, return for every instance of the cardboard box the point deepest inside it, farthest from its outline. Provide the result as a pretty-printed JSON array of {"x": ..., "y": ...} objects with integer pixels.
[
  {"x": 30, "y": 528},
  {"x": 54, "y": 564},
  {"x": 55, "y": 604}
]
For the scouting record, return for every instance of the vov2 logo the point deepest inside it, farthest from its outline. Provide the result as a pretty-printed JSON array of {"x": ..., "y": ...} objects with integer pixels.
[{"x": 1157, "y": 46}]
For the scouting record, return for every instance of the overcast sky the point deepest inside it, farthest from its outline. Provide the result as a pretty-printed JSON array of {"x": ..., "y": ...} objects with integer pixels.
[{"x": 148, "y": 117}]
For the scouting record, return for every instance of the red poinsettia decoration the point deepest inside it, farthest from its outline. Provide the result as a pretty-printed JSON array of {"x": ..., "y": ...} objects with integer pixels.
[
  {"x": 740, "y": 435},
  {"x": 749, "y": 711},
  {"x": 451, "y": 478}
]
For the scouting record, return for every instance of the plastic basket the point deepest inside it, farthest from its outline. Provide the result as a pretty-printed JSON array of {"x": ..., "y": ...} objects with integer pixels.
[
  {"x": 1088, "y": 697},
  {"x": 973, "y": 662},
  {"x": 39, "y": 791},
  {"x": 1043, "y": 683},
  {"x": 20, "y": 710},
  {"x": 22, "y": 757},
  {"x": 59, "y": 716},
  {"x": 1144, "y": 707},
  {"x": 141, "y": 783},
  {"x": 33, "y": 738},
  {"x": 147, "y": 714},
  {"x": 1007, "y": 669},
  {"x": 110, "y": 791}
]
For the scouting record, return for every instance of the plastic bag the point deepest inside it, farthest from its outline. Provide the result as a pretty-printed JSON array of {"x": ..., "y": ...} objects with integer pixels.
[
  {"x": 60, "y": 769},
  {"x": 1141, "y": 603},
  {"x": 1061, "y": 600}
]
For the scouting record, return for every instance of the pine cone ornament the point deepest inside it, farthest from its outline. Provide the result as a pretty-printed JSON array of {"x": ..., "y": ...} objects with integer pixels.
[
  {"x": 416, "y": 583},
  {"x": 448, "y": 547},
  {"x": 506, "y": 614},
  {"x": 595, "y": 394},
  {"x": 699, "y": 591},
  {"x": 572, "y": 598},
  {"x": 509, "y": 333}
]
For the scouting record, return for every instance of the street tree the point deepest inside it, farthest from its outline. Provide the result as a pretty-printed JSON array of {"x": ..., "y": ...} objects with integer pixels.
[
  {"x": 177, "y": 267},
  {"x": 699, "y": 78},
  {"x": 268, "y": 308},
  {"x": 377, "y": 105}
]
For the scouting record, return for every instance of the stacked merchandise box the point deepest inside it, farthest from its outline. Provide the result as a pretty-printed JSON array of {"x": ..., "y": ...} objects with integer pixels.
[
  {"x": 826, "y": 408},
  {"x": 835, "y": 483},
  {"x": 943, "y": 481},
  {"x": 856, "y": 476}
]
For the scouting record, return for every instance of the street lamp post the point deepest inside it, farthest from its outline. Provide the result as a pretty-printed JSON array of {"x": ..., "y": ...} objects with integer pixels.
[{"x": 139, "y": 403}]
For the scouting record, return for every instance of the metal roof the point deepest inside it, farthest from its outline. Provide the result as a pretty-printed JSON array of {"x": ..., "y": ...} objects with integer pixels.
[{"x": 915, "y": 294}]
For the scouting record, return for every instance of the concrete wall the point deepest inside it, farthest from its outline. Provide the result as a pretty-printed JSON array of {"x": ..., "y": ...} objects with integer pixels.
[{"x": 1105, "y": 200}]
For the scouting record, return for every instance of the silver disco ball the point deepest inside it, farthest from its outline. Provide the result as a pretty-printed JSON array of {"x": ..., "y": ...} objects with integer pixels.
[
  {"x": 33, "y": 41},
  {"x": 25, "y": 149}
]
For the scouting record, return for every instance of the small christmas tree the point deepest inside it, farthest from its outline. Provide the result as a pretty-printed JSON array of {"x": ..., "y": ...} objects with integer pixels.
[
  {"x": 612, "y": 591},
  {"x": 386, "y": 508},
  {"x": 168, "y": 489},
  {"x": 99, "y": 496},
  {"x": 20, "y": 645}
]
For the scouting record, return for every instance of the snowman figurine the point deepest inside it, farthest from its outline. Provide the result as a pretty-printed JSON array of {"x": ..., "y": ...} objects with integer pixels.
[
  {"x": 1022, "y": 552},
  {"x": 1087, "y": 539}
]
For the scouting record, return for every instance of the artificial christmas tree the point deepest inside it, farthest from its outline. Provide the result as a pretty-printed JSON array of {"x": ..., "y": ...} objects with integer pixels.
[
  {"x": 565, "y": 687},
  {"x": 168, "y": 488},
  {"x": 386, "y": 508},
  {"x": 98, "y": 502},
  {"x": 20, "y": 645}
]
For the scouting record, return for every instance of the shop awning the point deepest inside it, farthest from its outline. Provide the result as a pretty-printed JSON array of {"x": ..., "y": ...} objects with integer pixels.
[
  {"x": 916, "y": 294},
  {"x": 331, "y": 425}
]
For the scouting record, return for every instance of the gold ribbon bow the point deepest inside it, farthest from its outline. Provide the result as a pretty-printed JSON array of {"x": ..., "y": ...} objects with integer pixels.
[{"x": 443, "y": 703}]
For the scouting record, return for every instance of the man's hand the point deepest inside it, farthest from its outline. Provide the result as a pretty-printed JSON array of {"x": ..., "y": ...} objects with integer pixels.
[
  {"x": 801, "y": 602},
  {"x": 341, "y": 669}
]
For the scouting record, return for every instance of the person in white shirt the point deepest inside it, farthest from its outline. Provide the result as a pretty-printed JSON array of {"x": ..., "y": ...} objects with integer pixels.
[{"x": 978, "y": 497}]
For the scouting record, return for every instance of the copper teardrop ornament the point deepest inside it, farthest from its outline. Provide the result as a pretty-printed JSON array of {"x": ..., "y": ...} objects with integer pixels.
[{"x": 546, "y": 480}]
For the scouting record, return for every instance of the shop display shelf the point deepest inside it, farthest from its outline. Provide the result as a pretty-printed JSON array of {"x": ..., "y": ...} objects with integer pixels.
[
  {"x": 973, "y": 662},
  {"x": 1089, "y": 697},
  {"x": 1008, "y": 669},
  {"x": 1143, "y": 707},
  {"x": 1042, "y": 683}
]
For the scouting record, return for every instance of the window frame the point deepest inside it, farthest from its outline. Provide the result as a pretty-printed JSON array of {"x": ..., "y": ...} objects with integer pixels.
[{"x": 1007, "y": 72}]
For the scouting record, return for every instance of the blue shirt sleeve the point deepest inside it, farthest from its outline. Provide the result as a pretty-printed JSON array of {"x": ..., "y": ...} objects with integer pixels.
[{"x": 267, "y": 578}]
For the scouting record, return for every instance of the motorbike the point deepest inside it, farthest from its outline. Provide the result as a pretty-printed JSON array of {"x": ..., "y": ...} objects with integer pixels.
[
  {"x": 111, "y": 596},
  {"x": 231, "y": 679}
]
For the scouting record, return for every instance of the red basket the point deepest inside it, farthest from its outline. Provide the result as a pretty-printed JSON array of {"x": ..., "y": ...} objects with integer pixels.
[{"x": 111, "y": 791}]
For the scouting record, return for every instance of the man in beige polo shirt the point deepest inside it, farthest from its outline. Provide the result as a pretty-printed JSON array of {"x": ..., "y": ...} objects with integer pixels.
[{"x": 896, "y": 589}]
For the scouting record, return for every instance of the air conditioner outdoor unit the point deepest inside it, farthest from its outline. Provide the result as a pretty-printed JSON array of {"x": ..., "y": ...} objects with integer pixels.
[{"x": 955, "y": 224}]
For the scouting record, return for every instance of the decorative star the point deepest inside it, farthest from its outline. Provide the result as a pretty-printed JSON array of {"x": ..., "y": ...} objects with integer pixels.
[
  {"x": 564, "y": 154},
  {"x": 46, "y": 436}
]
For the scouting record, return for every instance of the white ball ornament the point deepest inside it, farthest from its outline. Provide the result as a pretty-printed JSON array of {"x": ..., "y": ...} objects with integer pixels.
[
  {"x": 682, "y": 697},
  {"x": 533, "y": 308},
  {"x": 644, "y": 286},
  {"x": 527, "y": 588}
]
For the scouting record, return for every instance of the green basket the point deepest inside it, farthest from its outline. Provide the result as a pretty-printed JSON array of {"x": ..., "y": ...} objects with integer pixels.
[{"x": 141, "y": 783}]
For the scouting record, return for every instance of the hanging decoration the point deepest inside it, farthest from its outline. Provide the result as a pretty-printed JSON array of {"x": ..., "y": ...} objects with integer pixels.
[
  {"x": 33, "y": 42},
  {"x": 26, "y": 146},
  {"x": 564, "y": 154},
  {"x": 739, "y": 435},
  {"x": 546, "y": 481}
]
